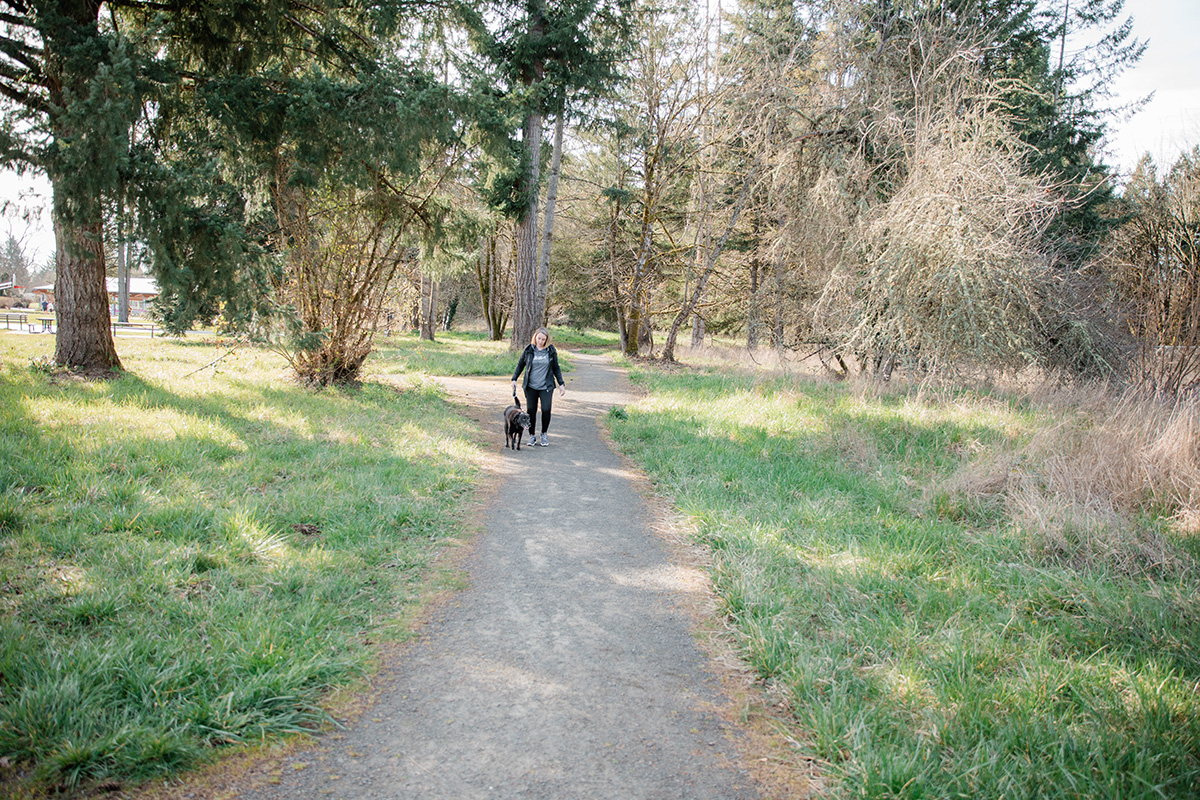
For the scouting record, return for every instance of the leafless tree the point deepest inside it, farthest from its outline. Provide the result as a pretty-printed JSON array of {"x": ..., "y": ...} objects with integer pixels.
[
  {"x": 345, "y": 248},
  {"x": 1157, "y": 266},
  {"x": 494, "y": 269}
]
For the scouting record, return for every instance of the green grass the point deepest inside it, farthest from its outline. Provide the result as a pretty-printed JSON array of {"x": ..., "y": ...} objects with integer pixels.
[
  {"x": 586, "y": 340},
  {"x": 195, "y": 558},
  {"x": 455, "y": 353},
  {"x": 450, "y": 354},
  {"x": 924, "y": 647},
  {"x": 465, "y": 353}
]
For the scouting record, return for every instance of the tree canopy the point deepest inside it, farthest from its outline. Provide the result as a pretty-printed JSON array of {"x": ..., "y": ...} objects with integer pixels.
[
  {"x": 179, "y": 109},
  {"x": 833, "y": 175}
]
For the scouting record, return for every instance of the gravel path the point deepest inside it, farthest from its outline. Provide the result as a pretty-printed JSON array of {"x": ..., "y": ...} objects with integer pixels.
[{"x": 567, "y": 669}]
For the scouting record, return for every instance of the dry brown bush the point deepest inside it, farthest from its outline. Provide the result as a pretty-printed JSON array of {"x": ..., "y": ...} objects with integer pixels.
[
  {"x": 1156, "y": 263},
  {"x": 951, "y": 269},
  {"x": 348, "y": 251}
]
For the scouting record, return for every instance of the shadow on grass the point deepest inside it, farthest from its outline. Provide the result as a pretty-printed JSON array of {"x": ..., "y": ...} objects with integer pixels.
[
  {"x": 923, "y": 657},
  {"x": 179, "y": 573}
]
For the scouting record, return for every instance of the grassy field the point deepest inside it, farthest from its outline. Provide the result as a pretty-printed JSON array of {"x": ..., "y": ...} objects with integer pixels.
[
  {"x": 960, "y": 595},
  {"x": 455, "y": 353},
  {"x": 191, "y": 556}
]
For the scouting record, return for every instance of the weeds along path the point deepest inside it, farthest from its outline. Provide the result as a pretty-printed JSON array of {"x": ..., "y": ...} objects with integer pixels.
[{"x": 566, "y": 669}]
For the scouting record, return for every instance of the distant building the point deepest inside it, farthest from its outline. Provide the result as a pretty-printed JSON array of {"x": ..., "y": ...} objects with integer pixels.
[{"x": 141, "y": 291}]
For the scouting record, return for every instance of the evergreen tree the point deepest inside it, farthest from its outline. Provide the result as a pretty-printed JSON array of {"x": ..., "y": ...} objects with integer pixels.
[
  {"x": 1061, "y": 104},
  {"x": 77, "y": 75},
  {"x": 14, "y": 264},
  {"x": 541, "y": 57}
]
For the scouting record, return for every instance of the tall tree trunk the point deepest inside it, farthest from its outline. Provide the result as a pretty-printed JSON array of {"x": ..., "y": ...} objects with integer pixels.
[
  {"x": 428, "y": 306},
  {"x": 754, "y": 313},
  {"x": 637, "y": 306},
  {"x": 527, "y": 316},
  {"x": 486, "y": 268},
  {"x": 633, "y": 337},
  {"x": 84, "y": 335},
  {"x": 84, "y": 338},
  {"x": 494, "y": 287},
  {"x": 123, "y": 282},
  {"x": 618, "y": 302},
  {"x": 622, "y": 321},
  {"x": 668, "y": 352},
  {"x": 777, "y": 275},
  {"x": 548, "y": 224},
  {"x": 122, "y": 265}
]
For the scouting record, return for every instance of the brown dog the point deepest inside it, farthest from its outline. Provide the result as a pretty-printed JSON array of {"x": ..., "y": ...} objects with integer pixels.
[{"x": 515, "y": 423}]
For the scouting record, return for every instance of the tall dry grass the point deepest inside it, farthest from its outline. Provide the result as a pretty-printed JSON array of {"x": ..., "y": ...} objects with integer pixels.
[
  {"x": 1102, "y": 480},
  {"x": 1091, "y": 474},
  {"x": 1133, "y": 452}
]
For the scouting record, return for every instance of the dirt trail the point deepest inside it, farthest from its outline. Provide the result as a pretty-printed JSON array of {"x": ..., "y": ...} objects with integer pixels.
[{"x": 566, "y": 669}]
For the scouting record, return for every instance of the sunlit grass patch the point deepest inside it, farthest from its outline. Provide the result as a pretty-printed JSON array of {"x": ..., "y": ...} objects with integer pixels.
[
  {"x": 195, "y": 553},
  {"x": 930, "y": 642},
  {"x": 456, "y": 353},
  {"x": 577, "y": 339},
  {"x": 450, "y": 354}
]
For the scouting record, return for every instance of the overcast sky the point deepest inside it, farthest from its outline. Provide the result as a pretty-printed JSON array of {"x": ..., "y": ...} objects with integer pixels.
[
  {"x": 1166, "y": 127},
  {"x": 1170, "y": 69}
]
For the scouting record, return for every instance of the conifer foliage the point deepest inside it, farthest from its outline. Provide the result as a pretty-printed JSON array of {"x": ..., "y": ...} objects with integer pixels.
[
  {"x": 541, "y": 58},
  {"x": 182, "y": 107}
]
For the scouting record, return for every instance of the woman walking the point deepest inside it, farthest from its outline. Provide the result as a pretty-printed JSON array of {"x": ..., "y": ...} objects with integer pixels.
[{"x": 539, "y": 360}]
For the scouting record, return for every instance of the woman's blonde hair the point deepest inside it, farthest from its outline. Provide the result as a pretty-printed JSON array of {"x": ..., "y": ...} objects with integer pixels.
[{"x": 533, "y": 338}]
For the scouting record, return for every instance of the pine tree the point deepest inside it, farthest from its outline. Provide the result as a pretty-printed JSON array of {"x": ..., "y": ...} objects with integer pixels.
[
  {"x": 77, "y": 75},
  {"x": 1060, "y": 102},
  {"x": 14, "y": 264},
  {"x": 543, "y": 57}
]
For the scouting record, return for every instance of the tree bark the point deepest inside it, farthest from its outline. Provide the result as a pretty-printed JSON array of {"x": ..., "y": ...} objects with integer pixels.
[
  {"x": 637, "y": 306},
  {"x": 777, "y": 337},
  {"x": 489, "y": 296},
  {"x": 84, "y": 336},
  {"x": 548, "y": 223},
  {"x": 633, "y": 338},
  {"x": 527, "y": 315},
  {"x": 428, "y": 306},
  {"x": 754, "y": 313},
  {"x": 668, "y": 352},
  {"x": 123, "y": 282},
  {"x": 122, "y": 265}
]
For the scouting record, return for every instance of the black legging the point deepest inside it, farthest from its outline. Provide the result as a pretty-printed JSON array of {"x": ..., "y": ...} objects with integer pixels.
[{"x": 531, "y": 406}]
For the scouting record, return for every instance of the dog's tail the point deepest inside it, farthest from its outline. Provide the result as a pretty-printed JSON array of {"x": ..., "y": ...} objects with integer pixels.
[{"x": 516, "y": 402}]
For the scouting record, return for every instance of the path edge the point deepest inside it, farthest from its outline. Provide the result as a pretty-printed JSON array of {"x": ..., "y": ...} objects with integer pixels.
[{"x": 760, "y": 726}]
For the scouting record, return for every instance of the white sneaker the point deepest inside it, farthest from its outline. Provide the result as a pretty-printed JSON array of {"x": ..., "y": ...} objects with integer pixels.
[
  {"x": 533, "y": 440},
  {"x": 545, "y": 441}
]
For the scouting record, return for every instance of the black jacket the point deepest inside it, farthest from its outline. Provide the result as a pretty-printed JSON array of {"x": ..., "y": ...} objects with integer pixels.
[{"x": 527, "y": 361}]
